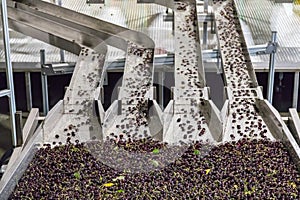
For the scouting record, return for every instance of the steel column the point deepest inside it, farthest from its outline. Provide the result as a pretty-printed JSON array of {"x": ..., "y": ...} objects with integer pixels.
[
  {"x": 9, "y": 71},
  {"x": 161, "y": 80},
  {"x": 44, "y": 84},
  {"x": 205, "y": 25},
  {"x": 28, "y": 91},
  {"x": 5, "y": 92},
  {"x": 296, "y": 90},
  {"x": 62, "y": 52},
  {"x": 272, "y": 70}
]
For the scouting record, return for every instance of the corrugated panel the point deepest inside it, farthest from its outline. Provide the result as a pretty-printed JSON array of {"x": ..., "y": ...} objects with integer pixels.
[
  {"x": 263, "y": 16},
  {"x": 147, "y": 18},
  {"x": 26, "y": 49}
]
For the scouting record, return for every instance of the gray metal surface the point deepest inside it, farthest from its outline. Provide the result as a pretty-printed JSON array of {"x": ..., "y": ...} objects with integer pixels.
[
  {"x": 162, "y": 62},
  {"x": 77, "y": 111},
  {"x": 113, "y": 34},
  {"x": 242, "y": 117},
  {"x": 9, "y": 72},
  {"x": 272, "y": 70},
  {"x": 89, "y": 65},
  {"x": 246, "y": 113},
  {"x": 260, "y": 17},
  {"x": 294, "y": 124},
  {"x": 148, "y": 19},
  {"x": 296, "y": 90},
  {"x": 188, "y": 116},
  {"x": 25, "y": 52},
  {"x": 245, "y": 110},
  {"x": 188, "y": 120},
  {"x": 132, "y": 117}
]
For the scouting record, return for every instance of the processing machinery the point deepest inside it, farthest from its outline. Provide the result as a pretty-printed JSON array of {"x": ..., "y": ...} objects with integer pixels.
[{"x": 191, "y": 115}]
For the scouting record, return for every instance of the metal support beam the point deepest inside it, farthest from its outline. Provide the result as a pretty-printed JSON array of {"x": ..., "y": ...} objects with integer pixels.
[
  {"x": 202, "y": 17},
  {"x": 296, "y": 90},
  {"x": 206, "y": 6},
  {"x": 272, "y": 69},
  {"x": 161, "y": 61},
  {"x": 213, "y": 27},
  {"x": 205, "y": 25},
  {"x": 44, "y": 84},
  {"x": 5, "y": 92},
  {"x": 105, "y": 78},
  {"x": 161, "y": 81},
  {"x": 45, "y": 94},
  {"x": 168, "y": 17},
  {"x": 61, "y": 52},
  {"x": 28, "y": 90},
  {"x": 62, "y": 55},
  {"x": 205, "y": 34},
  {"x": 173, "y": 23},
  {"x": 9, "y": 71},
  {"x": 294, "y": 124},
  {"x": 95, "y": 1},
  {"x": 19, "y": 128},
  {"x": 58, "y": 68}
]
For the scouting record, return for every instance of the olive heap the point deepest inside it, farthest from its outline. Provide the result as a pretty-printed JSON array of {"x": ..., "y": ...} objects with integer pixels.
[{"x": 246, "y": 169}]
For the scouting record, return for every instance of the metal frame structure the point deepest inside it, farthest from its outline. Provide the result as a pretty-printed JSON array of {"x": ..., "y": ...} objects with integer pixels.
[
  {"x": 9, "y": 73},
  {"x": 65, "y": 110},
  {"x": 271, "y": 50},
  {"x": 162, "y": 61}
]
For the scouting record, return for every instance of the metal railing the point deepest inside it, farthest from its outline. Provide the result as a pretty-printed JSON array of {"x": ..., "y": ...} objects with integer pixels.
[{"x": 9, "y": 92}]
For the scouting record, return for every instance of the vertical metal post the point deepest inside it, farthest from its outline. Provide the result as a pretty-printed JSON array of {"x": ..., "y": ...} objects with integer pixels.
[
  {"x": 19, "y": 128},
  {"x": 119, "y": 107},
  {"x": 205, "y": 25},
  {"x": 212, "y": 27},
  {"x": 296, "y": 90},
  {"x": 206, "y": 6},
  {"x": 173, "y": 22},
  {"x": 9, "y": 71},
  {"x": 271, "y": 70},
  {"x": 44, "y": 84},
  {"x": 205, "y": 34},
  {"x": 161, "y": 78},
  {"x": 219, "y": 62},
  {"x": 62, "y": 52},
  {"x": 28, "y": 91},
  {"x": 62, "y": 55}
]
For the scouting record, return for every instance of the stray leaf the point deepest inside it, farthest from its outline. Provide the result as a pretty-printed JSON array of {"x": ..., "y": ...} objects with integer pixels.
[
  {"x": 108, "y": 184},
  {"x": 294, "y": 195},
  {"x": 75, "y": 149},
  {"x": 196, "y": 152},
  {"x": 119, "y": 191},
  {"x": 294, "y": 186},
  {"x": 155, "y": 151},
  {"x": 77, "y": 175},
  {"x": 155, "y": 163},
  {"x": 207, "y": 171}
]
